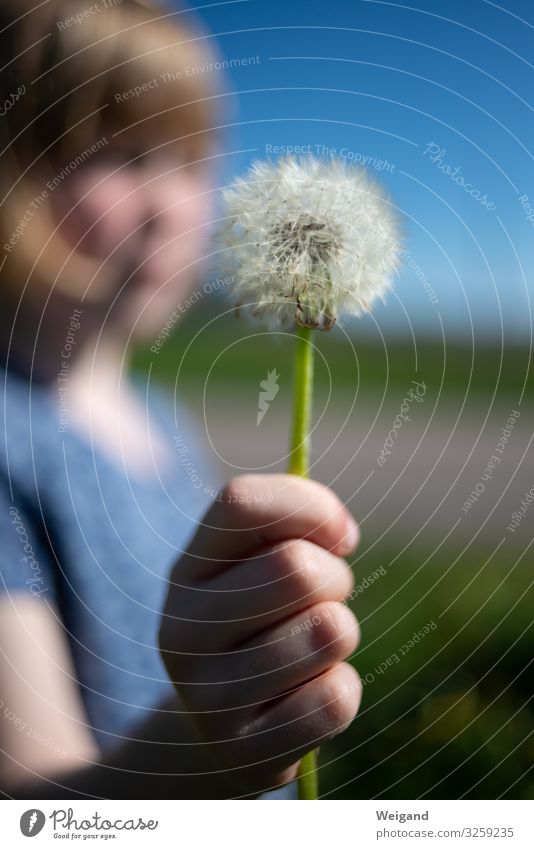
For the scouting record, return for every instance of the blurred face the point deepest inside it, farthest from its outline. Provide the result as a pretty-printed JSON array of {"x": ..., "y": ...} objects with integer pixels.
[{"x": 145, "y": 218}]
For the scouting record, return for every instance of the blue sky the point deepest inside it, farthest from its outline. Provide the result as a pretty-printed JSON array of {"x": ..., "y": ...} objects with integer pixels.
[{"x": 387, "y": 80}]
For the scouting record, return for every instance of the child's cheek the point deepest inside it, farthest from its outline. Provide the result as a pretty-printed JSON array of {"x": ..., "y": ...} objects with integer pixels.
[
  {"x": 104, "y": 211},
  {"x": 113, "y": 212}
]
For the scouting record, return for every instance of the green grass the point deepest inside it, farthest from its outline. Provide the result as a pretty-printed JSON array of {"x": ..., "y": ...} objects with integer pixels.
[{"x": 453, "y": 716}]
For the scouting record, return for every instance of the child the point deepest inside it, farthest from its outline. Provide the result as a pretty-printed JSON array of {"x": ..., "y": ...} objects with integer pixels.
[{"x": 149, "y": 635}]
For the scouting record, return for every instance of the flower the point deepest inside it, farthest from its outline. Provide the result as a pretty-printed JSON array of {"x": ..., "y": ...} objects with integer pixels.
[{"x": 308, "y": 239}]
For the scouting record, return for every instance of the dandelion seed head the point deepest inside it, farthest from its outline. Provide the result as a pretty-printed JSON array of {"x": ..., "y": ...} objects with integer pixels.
[
  {"x": 302, "y": 235},
  {"x": 307, "y": 240}
]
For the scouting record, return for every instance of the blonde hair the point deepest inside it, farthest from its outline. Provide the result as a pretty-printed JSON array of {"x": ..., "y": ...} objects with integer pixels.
[{"x": 79, "y": 79}]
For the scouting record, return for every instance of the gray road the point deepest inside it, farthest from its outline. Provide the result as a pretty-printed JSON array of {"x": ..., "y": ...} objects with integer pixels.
[{"x": 406, "y": 469}]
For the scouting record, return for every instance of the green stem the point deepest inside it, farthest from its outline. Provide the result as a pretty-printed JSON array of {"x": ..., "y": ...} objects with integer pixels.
[
  {"x": 308, "y": 782},
  {"x": 299, "y": 460},
  {"x": 299, "y": 463}
]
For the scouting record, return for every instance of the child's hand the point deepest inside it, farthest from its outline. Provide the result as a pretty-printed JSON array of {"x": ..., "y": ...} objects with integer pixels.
[{"x": 254, "y": 633}]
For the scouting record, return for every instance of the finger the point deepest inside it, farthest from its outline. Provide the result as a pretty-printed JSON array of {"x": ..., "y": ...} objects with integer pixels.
[
  {"x": 296, "y": 724},
  {"x": 281, "y": 659},
  {"x": 254, "y": 594},
  {"x": 254, "y": 511},
  {"x": 284, "y": 580}
]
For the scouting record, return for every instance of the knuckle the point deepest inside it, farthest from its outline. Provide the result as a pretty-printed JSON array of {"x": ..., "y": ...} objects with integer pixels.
[
  {"x": 331, "y": 513},
  {"x": 336, "y": 524},
  {"x": 341, "y": 694},
  {"x": 337, "y": 631},
  {"x": 296, "y": 564},
  {"x": 308, "y": 572}
]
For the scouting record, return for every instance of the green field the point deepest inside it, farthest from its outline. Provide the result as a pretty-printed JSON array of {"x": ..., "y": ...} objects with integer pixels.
[
  {"x": 453, "y": 716},
  {"x": 227, "y": 350}
]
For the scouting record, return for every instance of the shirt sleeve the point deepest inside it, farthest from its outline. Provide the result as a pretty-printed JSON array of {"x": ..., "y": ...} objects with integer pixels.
[{"x": 25, "y": 562}]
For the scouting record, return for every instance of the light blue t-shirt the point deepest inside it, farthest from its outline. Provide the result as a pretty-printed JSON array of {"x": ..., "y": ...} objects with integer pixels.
[{"x": 76, "y": 529}]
